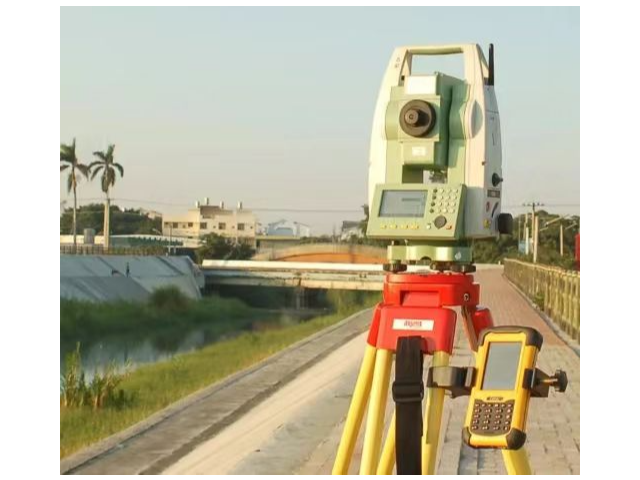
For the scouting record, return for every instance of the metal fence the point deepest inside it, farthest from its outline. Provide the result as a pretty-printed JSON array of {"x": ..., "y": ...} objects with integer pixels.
[{"x": 554, "y": 290}]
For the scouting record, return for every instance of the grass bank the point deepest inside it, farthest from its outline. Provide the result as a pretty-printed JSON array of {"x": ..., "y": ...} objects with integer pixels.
[
  {"x": 166, "y": 310},
  {"x": 156, "y": 386}
]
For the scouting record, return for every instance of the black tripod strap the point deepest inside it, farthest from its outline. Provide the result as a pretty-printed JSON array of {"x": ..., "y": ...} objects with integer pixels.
[{"x": 408, "y": 392}]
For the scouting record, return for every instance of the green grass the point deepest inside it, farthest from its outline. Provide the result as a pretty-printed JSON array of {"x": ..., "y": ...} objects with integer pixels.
[
  {"x": 167, "y": 310},
  {"x": 156, "y": 386}
]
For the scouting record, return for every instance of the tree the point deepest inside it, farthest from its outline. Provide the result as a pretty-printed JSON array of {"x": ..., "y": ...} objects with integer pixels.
[
  {"x": 364, "y": 240},
  {"x": 218, "y": 247},
  {"x": 69, "y": 160},
  {"x": 365, "y": 222},
  {"x": 494, "y": 250},
  {"x": 125, "y": 222},
  {"x": 108, "y": 167}
]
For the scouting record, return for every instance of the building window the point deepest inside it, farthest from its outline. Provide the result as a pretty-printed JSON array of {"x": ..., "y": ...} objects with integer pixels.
[
  {"x": 190, "y": 225},
  {"x": 222, "y": 226},
  {"x": 175, "y": 225},
  {"x": 203, "y": 225},
  {"x": 241, "y": 226}
]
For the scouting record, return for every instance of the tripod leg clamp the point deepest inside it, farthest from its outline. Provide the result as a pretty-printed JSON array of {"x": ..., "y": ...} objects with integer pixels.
[
  {"x": 457, "y": 380},
  {"x": 539, "y": 382}
]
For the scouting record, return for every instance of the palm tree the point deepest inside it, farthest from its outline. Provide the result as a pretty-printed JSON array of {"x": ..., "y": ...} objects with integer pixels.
[
  {"x": 108, "y": 166},
  {"x": 69, "y": 159}
]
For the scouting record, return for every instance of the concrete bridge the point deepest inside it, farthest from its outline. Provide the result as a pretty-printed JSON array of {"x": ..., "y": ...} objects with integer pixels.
[
  {"x": 313, "y": 275},
  {"x": 285, "y": 415},
  {"x": 325, "y": 253},
  {"x": 343, "y": 276}
]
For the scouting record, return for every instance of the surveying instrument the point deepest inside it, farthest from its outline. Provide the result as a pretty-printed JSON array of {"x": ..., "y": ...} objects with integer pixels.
[{"x": 435, "y": 184}]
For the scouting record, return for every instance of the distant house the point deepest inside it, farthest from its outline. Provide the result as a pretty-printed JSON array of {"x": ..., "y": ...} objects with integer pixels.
[
  {"x": 350, "y": 229},
  {"x": 152, "y": 214},
  {"x": 239, "y": 224},
  {"x": 286, "y": 228}
]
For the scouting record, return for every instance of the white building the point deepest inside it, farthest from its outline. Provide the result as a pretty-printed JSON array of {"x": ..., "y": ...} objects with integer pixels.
[
  {"x": 350, "y": 229},
  {"x": 286, "y": 228},
  {"x": 239, "y": 224},
  {"x": 152, "y": 214}
]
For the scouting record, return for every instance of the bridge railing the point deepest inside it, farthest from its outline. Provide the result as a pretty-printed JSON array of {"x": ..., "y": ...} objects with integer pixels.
[{"x": 554, "y": 290}]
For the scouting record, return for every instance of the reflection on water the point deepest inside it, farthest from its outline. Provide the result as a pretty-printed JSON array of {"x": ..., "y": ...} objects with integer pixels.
[{"x": 163, "y": 345}]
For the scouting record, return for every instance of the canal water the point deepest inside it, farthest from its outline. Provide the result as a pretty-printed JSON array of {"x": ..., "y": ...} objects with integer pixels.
[{"x": 128, "y": 353}]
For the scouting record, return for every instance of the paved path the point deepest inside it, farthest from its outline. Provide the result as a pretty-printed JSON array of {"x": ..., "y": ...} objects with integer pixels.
[{"x": 286, "y": 415}]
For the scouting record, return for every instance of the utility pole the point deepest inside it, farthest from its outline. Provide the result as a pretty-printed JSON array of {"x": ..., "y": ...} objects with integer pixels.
[
  {"x": 533, "y": 206},
  {"x": 536, "y": 227},
  {"x": 519, "y": 228},
  {"x": 533, "y": 230},
  {"x": 561, "y": 239}
]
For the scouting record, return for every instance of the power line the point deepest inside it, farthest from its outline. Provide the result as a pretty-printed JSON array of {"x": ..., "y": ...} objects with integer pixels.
[
  {"x": 305, "y": 210},
  {"x": 528, "y": 205},
  {"x": 132, "y": 200},
  {"x": 299, "y": 210},
  {"x": 258, "y": 209}
]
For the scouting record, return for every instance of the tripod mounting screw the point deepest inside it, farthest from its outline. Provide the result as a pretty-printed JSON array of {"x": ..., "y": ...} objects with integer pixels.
[{"x": 394, "y": 267}]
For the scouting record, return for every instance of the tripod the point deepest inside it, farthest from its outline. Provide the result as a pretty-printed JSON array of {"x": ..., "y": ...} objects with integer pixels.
[{"x": 414, "y": 309}]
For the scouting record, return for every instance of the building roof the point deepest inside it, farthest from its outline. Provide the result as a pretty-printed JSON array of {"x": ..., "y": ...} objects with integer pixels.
[
  {"x": 281, "y": 221},
  {"x": 349, "y": 224}
]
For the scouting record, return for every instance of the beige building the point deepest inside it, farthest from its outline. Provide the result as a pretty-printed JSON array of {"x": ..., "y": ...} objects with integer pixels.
[{"x": 239, "y": 224}]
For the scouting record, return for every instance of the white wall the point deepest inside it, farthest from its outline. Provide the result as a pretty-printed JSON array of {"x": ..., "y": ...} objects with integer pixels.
[
  {"x": 68, "y": 239},
  {"x": 212, "y": 217}
]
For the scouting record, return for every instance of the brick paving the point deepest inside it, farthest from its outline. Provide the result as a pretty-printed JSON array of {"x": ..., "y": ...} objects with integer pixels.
[{"x": 553, "y": 428}]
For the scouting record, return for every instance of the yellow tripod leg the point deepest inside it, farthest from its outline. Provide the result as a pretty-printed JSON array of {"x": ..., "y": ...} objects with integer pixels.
[
  {"x": 516, "y": 461},
  {"x": 356, "y": 413},
  {"x": 388, "y": 458},
  {"x": 433, "y": 419},
  {"x": 375, "y": 415}
]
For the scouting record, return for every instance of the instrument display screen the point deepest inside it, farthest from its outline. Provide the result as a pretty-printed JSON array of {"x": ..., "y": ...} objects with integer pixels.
[
  {"x": 403, "y": 203},
  {"x": 501, "y": 370}
]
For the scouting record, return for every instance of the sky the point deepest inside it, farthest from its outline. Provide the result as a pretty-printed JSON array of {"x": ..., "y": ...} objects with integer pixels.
[{"x": 273, "y": 106}]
